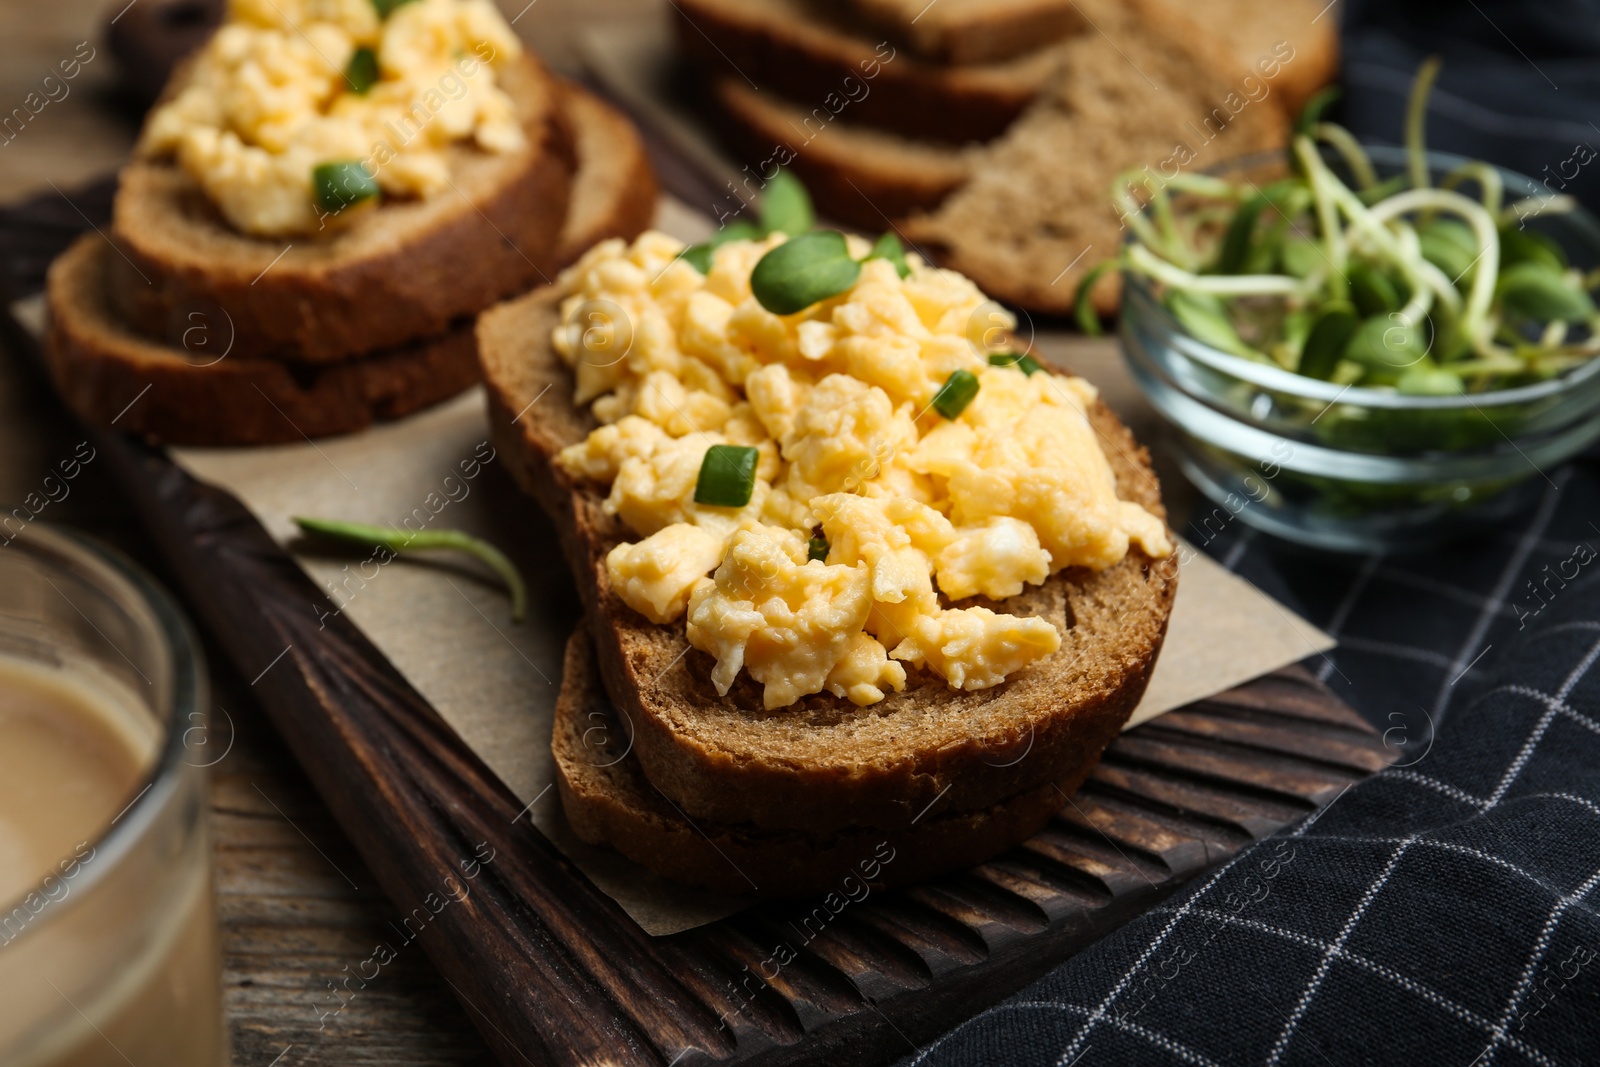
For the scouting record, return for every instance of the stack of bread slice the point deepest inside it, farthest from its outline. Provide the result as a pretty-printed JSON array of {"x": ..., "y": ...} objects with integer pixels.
[
  {"x": 177, "y": 326},
  {"x": 722, "y": 791},
  {"x": 988, "y": 132}
]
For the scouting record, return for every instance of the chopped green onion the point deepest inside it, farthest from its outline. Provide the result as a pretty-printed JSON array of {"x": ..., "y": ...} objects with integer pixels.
[
  {"x": 387, "y": 7},
  {"x": 956, "y": 393},
  {"x": 803, "y": 271},
  {"x": 362, "y": 70},
  {"x": 399, "y": 540},
  {"x": 341, "y": 184},
  {"x": 889, "y": 247},
  {"x": 1024, "y": 363},
  {"x": 727, "y": 476},
  {"x": 817, "y": 549}
]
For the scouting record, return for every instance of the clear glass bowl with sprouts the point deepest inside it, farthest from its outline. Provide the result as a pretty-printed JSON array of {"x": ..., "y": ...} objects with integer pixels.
[{"x": 1405, "y": 382}]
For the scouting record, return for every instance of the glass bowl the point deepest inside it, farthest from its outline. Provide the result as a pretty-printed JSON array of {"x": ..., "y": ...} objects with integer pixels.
[{"x": 1358, "y": 469}]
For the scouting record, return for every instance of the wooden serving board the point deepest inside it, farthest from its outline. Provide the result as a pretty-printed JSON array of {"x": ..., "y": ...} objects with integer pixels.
[{"x": 552, "y": 971}]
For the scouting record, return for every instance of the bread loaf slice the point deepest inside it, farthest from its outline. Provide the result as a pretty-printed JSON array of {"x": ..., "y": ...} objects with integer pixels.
[
  {"x": 969, "y": 31},
  {"x": 856, "y": 174},
  {"x": 406, "y": 269},
  {"x": 1296, "y": 39},
  {"x": 608, "y": 800},
  {"x": 823, "y": 762},
  {"x": 614, "y": 190},
  {"x": 111, "y": 375},
  {"x": 1036, "y": 212},
  {"x": 794, "y": 49}
]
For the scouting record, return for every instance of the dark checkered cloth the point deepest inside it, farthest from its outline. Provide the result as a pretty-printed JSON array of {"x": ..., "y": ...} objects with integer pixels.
[{"x": 1446, "y": 911}]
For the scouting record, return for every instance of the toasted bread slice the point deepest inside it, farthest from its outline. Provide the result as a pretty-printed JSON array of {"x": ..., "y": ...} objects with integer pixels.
[
  {"x": 1035, "y": 214},
  {"x": 969, "y": 31},
  {"x": 608, "y": 800},
  {"x": 614, "y": 190},
  {"x": 1298, "y": 39},
  {"x": 856, "y": 174},
  {"x": 111, "y": 375},
  {"x": 823, "y": 762},
  {"x": 792, "y": 48},
  {"x": 404, "y": 270}
]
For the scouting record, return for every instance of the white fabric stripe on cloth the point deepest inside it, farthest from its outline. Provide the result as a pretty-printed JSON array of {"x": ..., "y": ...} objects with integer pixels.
[
  {"x": 1411, "y": 985},
  {"x": 1497, "y": 597}
]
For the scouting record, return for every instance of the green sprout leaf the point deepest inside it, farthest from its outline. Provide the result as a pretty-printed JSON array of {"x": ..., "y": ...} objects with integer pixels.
[
  {"x": 1528, "y": 246},
  {"x": 699, "y": 256},
  {"x": 1449, "y": 245},
  {"x": 1372, "y": 290},
  {"x": 803, "y": 271},
  {"x": 786, "y": 206},
  {"x": 387, "y": 7},
  {"x": 1535, "y": 292},
  {"x": 1239, "y": 241},
  {"x": 817, "y": 549},
  {"x": 1329, "y": 337},
  {"x": 1083, "y": 312},
  {"x": 400, "y": 540},
  {"x": 1315, "y": 108},
  {"x": 889, "y": 247},
  {"x": 340, "y": 184}
]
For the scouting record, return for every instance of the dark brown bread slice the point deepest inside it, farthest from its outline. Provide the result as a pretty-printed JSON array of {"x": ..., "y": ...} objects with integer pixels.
[
  {"x": 969, "y": 31},
  {"x": 1036, "y": 213},
  {"x": 856, "y": 174},
  {"x": 824, "y": 763},
  {"x": 108, "y": 374},
  {"x": 792, "y": 48},
  {"x": 608, "y": 800},
  {"x": 407, "y": 269},
  {"x": 614, "y": 190}
]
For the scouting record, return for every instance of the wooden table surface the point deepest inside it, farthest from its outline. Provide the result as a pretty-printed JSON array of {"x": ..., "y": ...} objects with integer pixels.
[{"x": 297, "y": 906}]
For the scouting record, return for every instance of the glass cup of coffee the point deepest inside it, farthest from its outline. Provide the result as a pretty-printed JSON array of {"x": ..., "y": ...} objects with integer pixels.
[{"x": 108, "y": 930}]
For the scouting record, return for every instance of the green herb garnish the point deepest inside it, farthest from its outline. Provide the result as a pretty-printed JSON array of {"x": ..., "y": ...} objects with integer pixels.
[
  {"x": 1025, "y": 363},
  {"x": 786, "y": 206},
  {"x": 387, "y": 7},
  {"x": 341, "y": 184},
  {"x": 803, "y": 271},
  {"x": 1399, "y": 283},
  {"x": 362, "y": 70},
  {"x": 956, "y": 393},
  {"x": 400, "y": 540},
  {"x": 889, "y": 247},
  {"x": 817, "y": 549},
  {"x": 727, "y": 476}
]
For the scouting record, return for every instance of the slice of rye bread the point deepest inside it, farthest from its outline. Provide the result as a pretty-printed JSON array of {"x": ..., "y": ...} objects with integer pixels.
[
  {"x": 824, "y": 763},
  {"x": 407, "y": 269},
  {"x": 608, "y": 800},
  {"x": 614, "y": 191},
  {"x": 968, "y": 31},
  {"x": 856, "y": 175},
  {"x": 109, "y": 374},
  {"x": 794, "y": 49},
  {"x": 1260, "y": 31},
  {"x": 1035, "y": 215}
]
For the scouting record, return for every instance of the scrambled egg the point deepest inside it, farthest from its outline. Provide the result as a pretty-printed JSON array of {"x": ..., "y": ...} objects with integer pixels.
[
  {"x": 269, "y": 101},
  {"x": 916, "y": 511}
]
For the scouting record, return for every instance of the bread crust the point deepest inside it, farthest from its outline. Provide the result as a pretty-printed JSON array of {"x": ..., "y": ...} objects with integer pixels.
[
  {"x": 855, "y": 175},
  {"x": 824, "y": 763},
  {"x": 799, "y": 54},
  {"x": 608, "y": 800},
  {"x": 614, "y": 191},
  {"x": 962, "y": 32},
  {"x": 108, "y": 374},
  {"x": 407, "y": 269}
]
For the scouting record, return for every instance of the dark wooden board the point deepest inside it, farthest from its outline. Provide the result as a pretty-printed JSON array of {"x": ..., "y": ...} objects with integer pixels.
[{"x": 553, "y": 972}]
